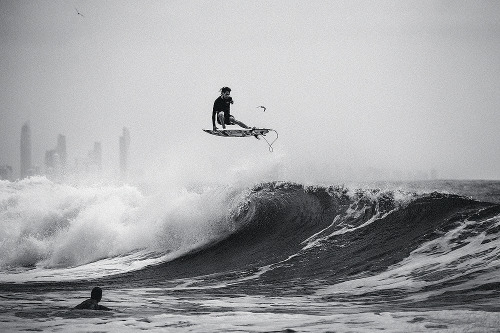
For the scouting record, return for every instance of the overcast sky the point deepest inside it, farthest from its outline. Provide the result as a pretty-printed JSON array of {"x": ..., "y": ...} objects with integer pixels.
[{"x": 349, "y": 85}]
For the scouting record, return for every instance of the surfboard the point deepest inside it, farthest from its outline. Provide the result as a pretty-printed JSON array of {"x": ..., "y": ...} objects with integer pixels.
[{"x": 238, "y": 133}]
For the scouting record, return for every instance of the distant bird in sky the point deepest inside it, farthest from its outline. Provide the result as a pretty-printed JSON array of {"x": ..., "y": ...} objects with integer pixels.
[
  {"x": 263, "y": 107},
  {"x": 78, "y": 13}
]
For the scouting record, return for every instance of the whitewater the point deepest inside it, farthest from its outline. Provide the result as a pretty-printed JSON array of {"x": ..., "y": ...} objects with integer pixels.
[{"x": 251, "y": 257}]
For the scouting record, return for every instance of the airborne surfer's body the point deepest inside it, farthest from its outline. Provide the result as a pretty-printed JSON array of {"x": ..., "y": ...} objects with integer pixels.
[{"x": 222, "y": 110}]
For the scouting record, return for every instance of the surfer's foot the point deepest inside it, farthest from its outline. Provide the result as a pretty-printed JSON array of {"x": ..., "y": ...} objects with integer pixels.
[{"x": 255, "y": 135}]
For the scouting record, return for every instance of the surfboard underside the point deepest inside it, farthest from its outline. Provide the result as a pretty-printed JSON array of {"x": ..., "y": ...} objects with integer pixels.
[{"x": 238, "y": 133}]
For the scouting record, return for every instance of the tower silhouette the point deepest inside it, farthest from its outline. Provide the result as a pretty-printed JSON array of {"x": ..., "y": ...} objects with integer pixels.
[
  {"x": 61, "y": 150},
  {"x": 26, "y": 166},
  {"x": 124, "y": 150}
]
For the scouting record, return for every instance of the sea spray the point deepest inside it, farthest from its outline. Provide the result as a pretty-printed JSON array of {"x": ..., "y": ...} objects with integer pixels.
[{"x": 48, "y": 225}]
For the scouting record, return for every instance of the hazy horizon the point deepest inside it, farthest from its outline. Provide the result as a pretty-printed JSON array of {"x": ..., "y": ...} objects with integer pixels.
[{"x": 350, "y": 86}]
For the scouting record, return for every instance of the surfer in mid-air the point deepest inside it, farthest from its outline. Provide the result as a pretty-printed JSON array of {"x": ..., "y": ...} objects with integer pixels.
[{"x": 222, "y": 110}]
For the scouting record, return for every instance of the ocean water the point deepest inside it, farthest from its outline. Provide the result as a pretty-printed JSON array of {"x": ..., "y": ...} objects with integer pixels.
[{"x": 266, "y": 257}]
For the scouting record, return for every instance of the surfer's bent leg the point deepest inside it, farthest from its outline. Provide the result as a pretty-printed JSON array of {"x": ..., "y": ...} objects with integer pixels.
[
  {"x": 239, "y": 123},
  {"x": 220, "y": 118}
]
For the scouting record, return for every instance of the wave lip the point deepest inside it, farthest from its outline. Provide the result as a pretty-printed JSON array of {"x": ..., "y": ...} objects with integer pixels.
[{"x": 281, "y": 221}]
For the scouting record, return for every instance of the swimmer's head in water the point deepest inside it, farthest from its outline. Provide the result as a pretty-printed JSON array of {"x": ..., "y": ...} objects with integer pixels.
[{"x": 96, "y": 294}]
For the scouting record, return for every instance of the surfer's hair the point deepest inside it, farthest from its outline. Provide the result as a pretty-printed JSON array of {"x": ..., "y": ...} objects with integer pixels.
[
  {"x": 96, "y": 294},
  {"x": 224, "y": 89}
]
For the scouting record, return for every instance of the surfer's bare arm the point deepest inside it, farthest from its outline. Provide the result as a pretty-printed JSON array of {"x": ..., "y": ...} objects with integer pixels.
[{"x": 214, "y": 113}]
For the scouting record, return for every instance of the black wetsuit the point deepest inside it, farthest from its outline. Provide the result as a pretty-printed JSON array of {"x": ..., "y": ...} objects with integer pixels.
[
  {"x": 222, "y": 104},
  {"x": 91, "y": 304}
]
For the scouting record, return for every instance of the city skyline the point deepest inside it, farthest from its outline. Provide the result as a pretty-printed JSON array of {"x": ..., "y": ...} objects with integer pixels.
[{"x": 55, "y": 162}]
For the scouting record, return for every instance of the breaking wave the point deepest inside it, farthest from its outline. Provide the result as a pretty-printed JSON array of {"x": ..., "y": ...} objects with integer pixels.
[{"x": 341, "y": 242}]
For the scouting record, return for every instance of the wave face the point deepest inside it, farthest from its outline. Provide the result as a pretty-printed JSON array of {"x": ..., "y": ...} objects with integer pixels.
[
  {"x": 343, "y": 244},
  {"x": 334, "y": 242}
]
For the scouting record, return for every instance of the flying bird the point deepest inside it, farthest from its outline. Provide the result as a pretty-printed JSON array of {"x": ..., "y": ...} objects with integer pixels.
[
  {"x": 78, "y": 13},
  {"x": 263, "y": 107}
]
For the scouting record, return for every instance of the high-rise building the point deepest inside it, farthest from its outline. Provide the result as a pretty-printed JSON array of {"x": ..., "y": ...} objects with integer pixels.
[
  {"x": 55, "y": 159},
  {"x": 95, "y": 156},
  {"x": 26, "y": 166},
  {"x": 52, "y": 163},
  {"x": 124, "y": 150},
  {"x": 61, "y": 150},
  {"x": 5, "y": 172}
]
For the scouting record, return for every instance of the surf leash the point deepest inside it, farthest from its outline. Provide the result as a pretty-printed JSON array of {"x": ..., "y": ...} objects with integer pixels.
[{"x": 270, "y": 144}]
